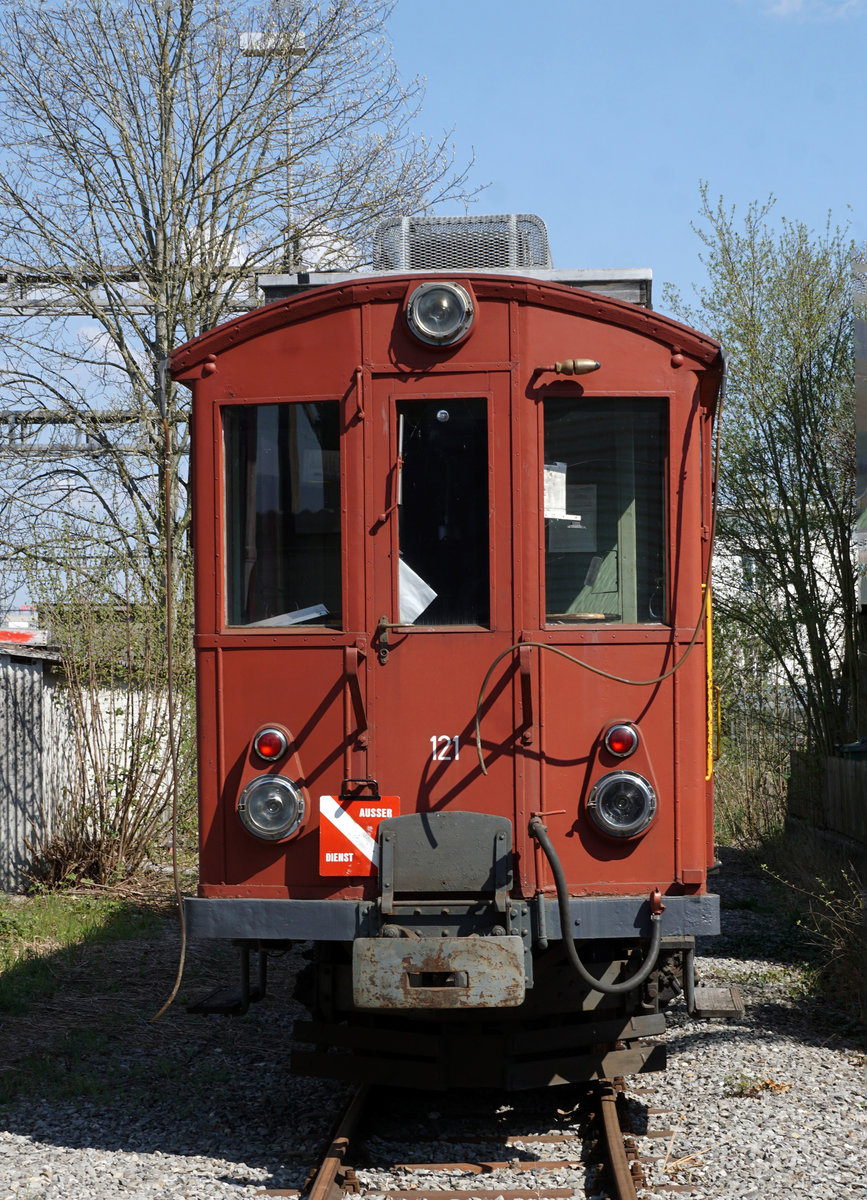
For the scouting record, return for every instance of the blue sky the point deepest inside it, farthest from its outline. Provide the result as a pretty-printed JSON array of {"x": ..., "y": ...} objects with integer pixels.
[{"x": 602, "y": 117}]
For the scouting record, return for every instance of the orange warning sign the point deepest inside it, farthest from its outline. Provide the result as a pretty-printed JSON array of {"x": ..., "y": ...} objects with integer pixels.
[{"x": 347, "y": 833}]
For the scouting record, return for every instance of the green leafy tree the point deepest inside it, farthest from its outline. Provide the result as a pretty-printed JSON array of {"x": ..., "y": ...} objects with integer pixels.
[{"x": 778, "y": 298}]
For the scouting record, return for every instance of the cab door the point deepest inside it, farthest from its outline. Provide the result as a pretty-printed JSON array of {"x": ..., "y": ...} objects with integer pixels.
[
  {"x": 602, "y": 498},
  {"x": 440, "y": 613}
]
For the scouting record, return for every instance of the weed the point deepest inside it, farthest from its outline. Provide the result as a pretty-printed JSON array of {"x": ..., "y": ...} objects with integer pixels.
[
  {"x": 824, "y": 901},
  {"x": 819, "y": 897},
  {"x": 74, "y": 1069},
  {"x": 751, "y": 1086},
  {"x": 795, "y": 980}
]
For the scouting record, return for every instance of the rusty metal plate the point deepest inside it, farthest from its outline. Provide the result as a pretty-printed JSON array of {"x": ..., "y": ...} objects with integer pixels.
[{"x": 468, "y": 972}]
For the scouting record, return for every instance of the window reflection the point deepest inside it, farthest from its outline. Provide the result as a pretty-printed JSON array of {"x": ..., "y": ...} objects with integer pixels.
[
  {"x": 443, "y": 576},
  {"x": 604, "y": 500},
  {"x": 282, "y": 489}
]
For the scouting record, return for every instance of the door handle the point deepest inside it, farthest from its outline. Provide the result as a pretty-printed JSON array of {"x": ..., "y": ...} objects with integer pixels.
[{"x": 359, "y": 393}]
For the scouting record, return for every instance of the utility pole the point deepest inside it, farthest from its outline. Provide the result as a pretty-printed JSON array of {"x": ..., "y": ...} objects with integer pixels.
[
  {"x": 286, "y": 46},
  {"x": 859, "y": 289}
]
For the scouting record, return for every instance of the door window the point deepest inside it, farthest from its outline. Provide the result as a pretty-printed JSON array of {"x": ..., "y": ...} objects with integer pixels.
[
  {"x": 604, "y": 501},
  {"x": 443, "y": 571}
]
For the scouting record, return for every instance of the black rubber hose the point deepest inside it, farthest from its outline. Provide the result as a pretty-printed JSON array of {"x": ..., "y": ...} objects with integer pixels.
[{"x": 540, "y": 833}]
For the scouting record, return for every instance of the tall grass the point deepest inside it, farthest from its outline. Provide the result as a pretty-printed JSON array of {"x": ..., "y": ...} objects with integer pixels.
[
  {"x": 751, "y": 776},
  {"x": 823, "y": 894},
  {"x": 820, "y": 891}
]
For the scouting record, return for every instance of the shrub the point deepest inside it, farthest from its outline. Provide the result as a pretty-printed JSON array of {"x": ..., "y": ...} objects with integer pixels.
[{"x": 110, "y": 785}]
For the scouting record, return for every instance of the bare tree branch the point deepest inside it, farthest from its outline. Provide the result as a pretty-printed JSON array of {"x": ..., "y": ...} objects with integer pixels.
[{"x": 151, "y": 169}]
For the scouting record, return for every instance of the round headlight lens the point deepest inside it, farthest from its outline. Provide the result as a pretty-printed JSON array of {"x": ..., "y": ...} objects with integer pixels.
[
  {"x": 439, "y": 314},
  {"x": 271, "y": 807},
  {"x": 622, "y": 804}
]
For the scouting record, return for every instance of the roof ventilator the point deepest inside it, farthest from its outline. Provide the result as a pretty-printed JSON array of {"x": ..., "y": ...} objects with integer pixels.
[{"x": 514, "y": 242}]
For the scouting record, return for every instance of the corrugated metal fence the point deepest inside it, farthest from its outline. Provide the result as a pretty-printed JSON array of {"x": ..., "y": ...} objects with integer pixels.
[
  {"x": 21, "y": 763},
  {"x": 39, "y": 763}
]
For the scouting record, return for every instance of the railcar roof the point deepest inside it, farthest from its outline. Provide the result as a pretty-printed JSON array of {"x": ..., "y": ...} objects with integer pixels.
[
  {"x": 634, "y": 284},
  {"x": 361, "y": 289}
]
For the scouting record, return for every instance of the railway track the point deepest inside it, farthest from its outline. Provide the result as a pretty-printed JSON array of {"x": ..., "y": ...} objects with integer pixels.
[{"x": 396, "y": 1146}]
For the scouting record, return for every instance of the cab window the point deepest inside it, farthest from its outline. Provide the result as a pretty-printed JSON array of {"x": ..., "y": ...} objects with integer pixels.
[
  {"x": 604, "y": 510},
  {"x": 282, "y": 518}
]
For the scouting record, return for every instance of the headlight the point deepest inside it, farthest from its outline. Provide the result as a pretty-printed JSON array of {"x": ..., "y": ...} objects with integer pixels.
[
  {"x": 622, "y": 804},
  {"x": 271, "y": 807},
  {"x": 439, "y": 313}
]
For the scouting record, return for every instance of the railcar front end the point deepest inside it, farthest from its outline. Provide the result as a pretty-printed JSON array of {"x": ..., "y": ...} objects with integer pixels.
[{"x": 452, "y": 538}]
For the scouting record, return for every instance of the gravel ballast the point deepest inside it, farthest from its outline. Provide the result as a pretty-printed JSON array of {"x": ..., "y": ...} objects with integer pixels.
[{"x": 770, "y": 1105}]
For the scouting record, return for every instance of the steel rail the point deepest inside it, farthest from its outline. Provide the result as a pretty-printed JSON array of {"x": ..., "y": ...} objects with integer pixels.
[
  {"x": 334, "y": 1179},
  {"x": 617, "y": 1160},
  {"x": 325, "y": 1181}
]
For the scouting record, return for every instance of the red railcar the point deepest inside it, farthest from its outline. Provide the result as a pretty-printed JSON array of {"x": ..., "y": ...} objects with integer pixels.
[{"x": 452, "y": 538}]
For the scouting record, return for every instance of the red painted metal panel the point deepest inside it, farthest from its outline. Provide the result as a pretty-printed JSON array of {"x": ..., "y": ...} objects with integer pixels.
[{"x": 408, "y": 721}]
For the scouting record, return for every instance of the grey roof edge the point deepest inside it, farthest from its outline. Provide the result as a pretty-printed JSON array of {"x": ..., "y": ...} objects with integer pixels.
[
  {"x": 623, "y": 283},
  {"x": 577, "y": 278},
  {"x": 23, "y": 650}
]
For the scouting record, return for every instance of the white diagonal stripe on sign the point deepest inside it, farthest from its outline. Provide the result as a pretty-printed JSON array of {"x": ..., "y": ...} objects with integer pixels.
[{"x": 342, "y": 821}]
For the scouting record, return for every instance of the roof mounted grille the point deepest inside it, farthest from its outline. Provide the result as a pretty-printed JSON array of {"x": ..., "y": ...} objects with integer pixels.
[{"x": 497, "y": 243}]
